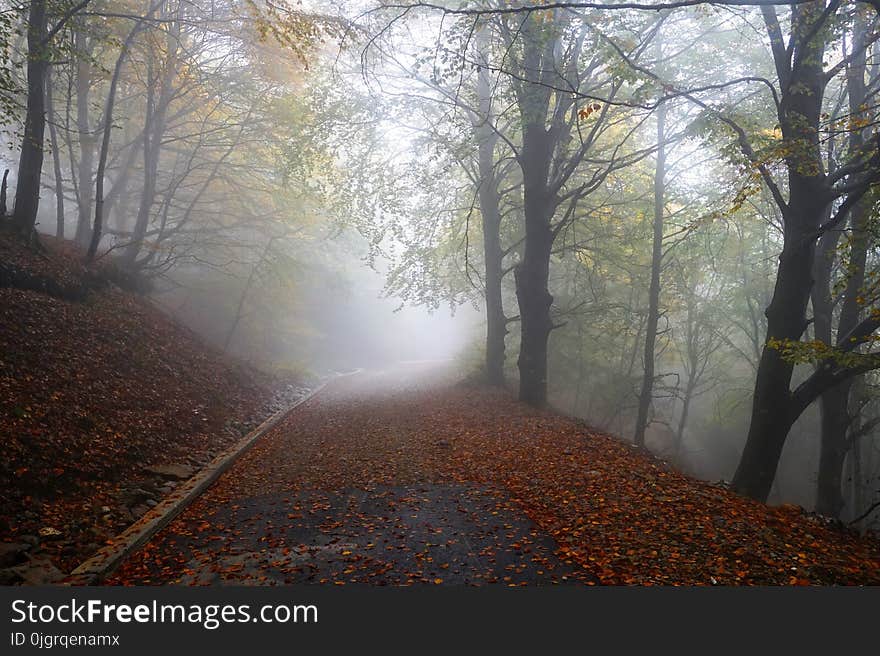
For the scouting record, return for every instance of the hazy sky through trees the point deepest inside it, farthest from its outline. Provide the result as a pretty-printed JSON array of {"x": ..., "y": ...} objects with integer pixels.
[{"x": 318, "y": 185}]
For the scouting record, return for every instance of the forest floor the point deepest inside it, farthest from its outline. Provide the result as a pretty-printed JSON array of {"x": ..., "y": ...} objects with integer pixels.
[
  {"x": 401, "y": 476},
  {"x": 105, "y": 404},
  {"x": 407, "y": 477}
]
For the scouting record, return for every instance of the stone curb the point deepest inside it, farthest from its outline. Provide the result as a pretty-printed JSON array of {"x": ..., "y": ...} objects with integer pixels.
[{"x": 108, "y": 558}]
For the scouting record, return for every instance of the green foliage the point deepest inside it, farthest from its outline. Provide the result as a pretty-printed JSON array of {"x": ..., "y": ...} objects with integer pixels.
[
  {"x": 298, "y": 31},
  {"x": 817, "y": 352}
]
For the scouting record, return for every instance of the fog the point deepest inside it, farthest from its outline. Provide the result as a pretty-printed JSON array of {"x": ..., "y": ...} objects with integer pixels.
[
  {"x": 586, "y": 209},
  {"x": 352, "y": 323}
]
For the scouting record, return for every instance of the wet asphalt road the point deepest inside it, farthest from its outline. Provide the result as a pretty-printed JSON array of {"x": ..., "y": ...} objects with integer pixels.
[{"x": 266, "y": 521}]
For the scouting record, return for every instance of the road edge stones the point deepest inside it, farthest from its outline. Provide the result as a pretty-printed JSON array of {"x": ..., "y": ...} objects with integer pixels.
[{"x": 104, "y": 561}]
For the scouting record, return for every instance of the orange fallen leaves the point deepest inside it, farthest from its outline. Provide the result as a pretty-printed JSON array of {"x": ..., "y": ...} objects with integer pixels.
[
  {"x": 637, "y": 522},
  {"x": 89, "y": 393}
]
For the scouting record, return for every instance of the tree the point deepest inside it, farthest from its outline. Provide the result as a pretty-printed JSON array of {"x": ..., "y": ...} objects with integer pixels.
[
  {"x": 834, "y": 402},
  {"x": 656, "y": 265},
  {"x": 490, "y": 212},
  {"x": 802, "y": 82},
  {"x": 30, "y": 165},
  {"x": 552, "y": 66},
  {"x": 56, "y": 159},
  {"x": 83, "y": 71},
  {"x": 98, "y": 226}
]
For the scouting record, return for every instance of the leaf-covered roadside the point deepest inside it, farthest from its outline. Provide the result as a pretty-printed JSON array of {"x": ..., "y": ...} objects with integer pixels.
[
  {"x": 91, "y": 392},
  {"x": 618, "y": 515}
]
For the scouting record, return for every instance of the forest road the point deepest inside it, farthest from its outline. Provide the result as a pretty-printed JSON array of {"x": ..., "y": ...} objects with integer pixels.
[{"x": 359, "y": 485}]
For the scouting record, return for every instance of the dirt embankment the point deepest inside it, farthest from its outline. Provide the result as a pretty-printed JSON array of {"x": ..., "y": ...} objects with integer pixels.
[{"x": 105, "y": 403}]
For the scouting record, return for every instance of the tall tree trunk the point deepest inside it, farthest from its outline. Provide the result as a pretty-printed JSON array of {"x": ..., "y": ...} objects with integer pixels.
[
  {"x": 773, "y": 410},
  {"x": 833, "y": 448},
  {"x": 694, "y": 364},
  {"x": 855, "y": 460},
  {"x": 532, "y": 273},
  {"x": 646, "y": 394},
  {"x": 578, "y": 388},
  {"x": 860, "y": 436},
  {"x": 496, "y": 322},
  {"x": 56, "y": 159},
  {"x": 682, "y": 421},
  {"x": 548, "y": 157},
  {"x": 3, "y": 194},
  {"x": 493, "y": 254},
  {"x": 30, "y": 163},
  {"x": 97, "y": 228},
  {"x": 835, "y": 402},
  {"x": 154, "y": 129},
  {"x": 148, "y": 190},
  {"x": 88, "y": 139},
  {"x": 858, "y": 488}
]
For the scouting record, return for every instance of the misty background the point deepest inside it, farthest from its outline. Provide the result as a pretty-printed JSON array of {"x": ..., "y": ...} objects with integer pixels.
[{"x": 300, "y": 186}]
